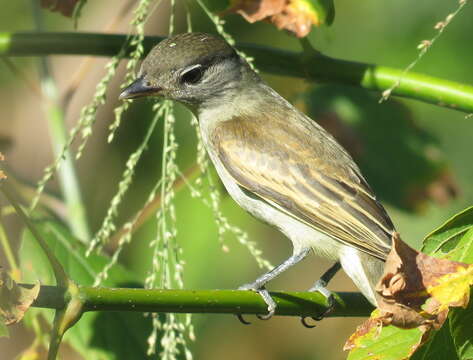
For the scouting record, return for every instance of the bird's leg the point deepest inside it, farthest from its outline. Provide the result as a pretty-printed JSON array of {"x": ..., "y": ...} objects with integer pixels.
[
  {"x": 259, "y": 284},
  {"x": 321, "y": 286}
]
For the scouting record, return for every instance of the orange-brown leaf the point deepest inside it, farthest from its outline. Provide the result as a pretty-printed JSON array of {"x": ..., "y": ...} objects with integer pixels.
[{"x": 295, "y": 16}]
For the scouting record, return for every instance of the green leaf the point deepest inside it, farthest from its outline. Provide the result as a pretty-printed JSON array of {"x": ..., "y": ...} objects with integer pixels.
[
  {"x": 217, "y": 5},
  {"x": 325, "y": 10},
  {"x": 70, "y": 253},
  {"x": 97, "y": 336},
  {"x": 454, "y": 239},
  {"x": 439, "y": 347},
  {"x": 460, "y": 321},
  {"x": 391, "y": 343}
]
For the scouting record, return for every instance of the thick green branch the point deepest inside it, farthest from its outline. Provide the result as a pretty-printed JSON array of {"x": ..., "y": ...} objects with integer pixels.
[
  {"x": 202, "y": 301},
  {"x": 379, "y": 78}
]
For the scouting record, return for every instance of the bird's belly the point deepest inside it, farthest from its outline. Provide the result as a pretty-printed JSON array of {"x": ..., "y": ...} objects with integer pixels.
[{"x": 301, "y": 235}]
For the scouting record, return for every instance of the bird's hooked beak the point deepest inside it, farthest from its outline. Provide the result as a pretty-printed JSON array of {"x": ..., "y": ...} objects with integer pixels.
[{"x": 139, "y": 88}]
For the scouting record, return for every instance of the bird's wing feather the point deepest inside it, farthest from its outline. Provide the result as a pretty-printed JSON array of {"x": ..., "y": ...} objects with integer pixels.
[{"x": 314, "y": 181}]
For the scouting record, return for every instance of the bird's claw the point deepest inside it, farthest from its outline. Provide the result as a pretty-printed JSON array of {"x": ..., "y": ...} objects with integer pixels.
[
  {"x": 330, "y": 307},
  {"x": 320, "y": 286},
  {"x": 267, "y": 316},
  {"x": 306, "y": 324},
  {"x": 266, "y": 298},
  {"x": 242, "y": 319}
]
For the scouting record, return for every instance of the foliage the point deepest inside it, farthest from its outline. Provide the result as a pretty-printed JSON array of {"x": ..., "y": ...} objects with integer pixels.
[
  {"x": 453, "y": 241},
  {"x": 87, "y": 337}
]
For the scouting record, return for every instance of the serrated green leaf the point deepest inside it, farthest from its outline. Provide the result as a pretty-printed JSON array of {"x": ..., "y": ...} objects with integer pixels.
[
  {"x": 391, "y": 343},
  {"x": 97, "y": 336},
  {"x": 460, "y": 321},
  {"x": 464, "y": 250},
  {"x": 445, "y": 240}
]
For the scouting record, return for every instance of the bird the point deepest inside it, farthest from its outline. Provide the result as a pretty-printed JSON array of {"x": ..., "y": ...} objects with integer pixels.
[{"x": 275, "y": 162}]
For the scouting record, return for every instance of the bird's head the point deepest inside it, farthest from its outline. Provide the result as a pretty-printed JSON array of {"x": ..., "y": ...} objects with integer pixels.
[{"x": 191, "y": 68}]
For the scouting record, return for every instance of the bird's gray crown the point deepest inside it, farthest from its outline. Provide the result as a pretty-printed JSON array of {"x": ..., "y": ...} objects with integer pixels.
[{"x": 186, "y": 49}]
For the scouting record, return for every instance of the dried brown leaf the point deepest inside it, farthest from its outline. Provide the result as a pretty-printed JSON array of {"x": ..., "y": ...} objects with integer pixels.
[
  {"x": 65, "y": 7},
  {"x": 256, "y": 10},
  {"x": 14, "y": 300},
  {"x": 296, "y": 18},
  {"x": 416, "y": 291}
]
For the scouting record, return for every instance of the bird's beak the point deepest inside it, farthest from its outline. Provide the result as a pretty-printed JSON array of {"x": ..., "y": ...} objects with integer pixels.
[{"x": 138, "y": 88}]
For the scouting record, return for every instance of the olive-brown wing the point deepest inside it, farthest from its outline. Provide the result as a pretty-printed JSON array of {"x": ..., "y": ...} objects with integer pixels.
[{"x": 314, "y": 181}]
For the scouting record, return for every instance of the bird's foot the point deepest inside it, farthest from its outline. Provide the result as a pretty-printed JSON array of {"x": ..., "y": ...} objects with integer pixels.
[
  {"x": 320, "y": 286},
  {"x": 261, "y": 290}
]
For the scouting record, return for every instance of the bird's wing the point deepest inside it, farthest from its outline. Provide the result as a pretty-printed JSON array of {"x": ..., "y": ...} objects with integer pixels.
[{"x": 314, "y": 181}]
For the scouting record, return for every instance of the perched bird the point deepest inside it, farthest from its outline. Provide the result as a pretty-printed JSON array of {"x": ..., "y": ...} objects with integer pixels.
[{"x": 275, "y": 162}]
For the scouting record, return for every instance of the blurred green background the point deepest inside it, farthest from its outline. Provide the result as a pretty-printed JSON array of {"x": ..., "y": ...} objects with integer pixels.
[{"x": 416, "y": 156}]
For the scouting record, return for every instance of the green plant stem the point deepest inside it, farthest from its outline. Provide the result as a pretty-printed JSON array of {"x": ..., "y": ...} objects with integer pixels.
[
  {"x": 5, "y": 244},
  {"x": 65, "y": 318},
  {"x": 202, "y": 301},
  {"x": 76, "y": 215},
  {"x": 54, "y": 113},
  {"x": 424, "y": 88}
]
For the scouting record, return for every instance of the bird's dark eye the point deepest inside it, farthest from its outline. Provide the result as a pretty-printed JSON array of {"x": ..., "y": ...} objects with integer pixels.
[{"x": 193, "y": 75}]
